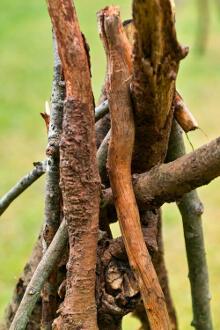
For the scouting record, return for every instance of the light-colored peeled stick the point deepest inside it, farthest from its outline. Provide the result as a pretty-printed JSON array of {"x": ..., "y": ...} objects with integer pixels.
[{"x": 183, "y": 116}]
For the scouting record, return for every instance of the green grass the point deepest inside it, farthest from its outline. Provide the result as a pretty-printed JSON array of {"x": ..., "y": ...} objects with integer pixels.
[{"x": 26, "y": 73}]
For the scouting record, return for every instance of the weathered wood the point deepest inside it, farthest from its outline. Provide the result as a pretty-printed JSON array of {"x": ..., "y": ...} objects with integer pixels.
[
  {"x": 53, "y": 212},
  {"x": 156, "y": 57},
  {"x": 167, "y": 183},
  {"x": 80, "y": 183},
  {"x": 191, "y": 210},
  {"x": 118, "y": 52}
]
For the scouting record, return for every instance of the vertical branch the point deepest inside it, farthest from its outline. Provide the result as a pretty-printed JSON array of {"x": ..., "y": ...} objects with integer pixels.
[
  {"x": 118, "y": 51},
  {"x": 79, "y": 173},
  {"x": 202, "y": 25},
  {"x": 191, "y": 210},
  {"x": 53, "y": 194}
]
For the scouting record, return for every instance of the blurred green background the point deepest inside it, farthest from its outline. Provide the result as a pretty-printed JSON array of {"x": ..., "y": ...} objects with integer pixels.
[{"x": 25, "y": 83}]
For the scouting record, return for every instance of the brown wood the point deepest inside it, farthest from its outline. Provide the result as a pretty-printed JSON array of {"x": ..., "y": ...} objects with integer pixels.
[
  {"x": 167, "y": 183},
  {"x": 156, "y": 57},
  {"x": 80, "y": 183},
  {"x": 118, "y": 51}
]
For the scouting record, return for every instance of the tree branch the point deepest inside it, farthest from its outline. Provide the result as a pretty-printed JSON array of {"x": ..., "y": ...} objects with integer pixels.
[
  {"x": 52, "y": 192},
  {"x": 169, "y": 182},
  {"x": 22, "y": 185},
  {"x": 191, "y": 210},
  {"x": 80, "y": 184},
  {"x": 46, "y": 265},
  {"x": 118, "y": 52}
]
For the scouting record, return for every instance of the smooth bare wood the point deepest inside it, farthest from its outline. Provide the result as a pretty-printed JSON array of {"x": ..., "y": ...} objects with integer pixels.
[
  {"x": 118, "y": 51},
  {"x": 80, "y": 182}
]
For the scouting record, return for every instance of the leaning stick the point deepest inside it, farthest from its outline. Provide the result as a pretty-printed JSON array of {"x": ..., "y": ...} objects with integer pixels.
[
  {"x": 118, "y": 51},
  {"x": 191, "y": 210},
  {"x": 46, "y": 265}
]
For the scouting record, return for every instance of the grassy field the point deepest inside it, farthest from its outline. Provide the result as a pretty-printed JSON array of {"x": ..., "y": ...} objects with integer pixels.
[{"x": 26, "y": 73}]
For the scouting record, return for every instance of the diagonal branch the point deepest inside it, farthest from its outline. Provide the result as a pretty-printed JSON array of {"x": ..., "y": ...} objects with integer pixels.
[
  {"x": 22, "y": 185},
  {"x": 169, "y": 182},
  {"x": 32, "y": 293}
]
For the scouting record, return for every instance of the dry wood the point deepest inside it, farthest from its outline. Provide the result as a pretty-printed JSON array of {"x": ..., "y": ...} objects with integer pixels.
[
  {"x": 182, "y": 114},
  {"x": 53, "y": 211},
  {"x": 79, "y": 173},
  {"x": 156, "y": 57},
  {"x": 118, "y": 51},
  {"x": 169, "y": 182},
  {"x": 191, "y": 210}
]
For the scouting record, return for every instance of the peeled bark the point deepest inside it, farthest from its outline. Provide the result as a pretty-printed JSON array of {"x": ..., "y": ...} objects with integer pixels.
[
  {"x": 119, "y": 164},
  {"x": 79, "y": 173}
]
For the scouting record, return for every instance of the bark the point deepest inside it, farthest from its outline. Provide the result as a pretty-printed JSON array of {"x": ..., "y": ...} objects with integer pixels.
[
  {"x": 44, "y": 268},
  {"x": 156, "y": 57},
  {"x": 118, "y": 51},
  {"x": 22, "y": 185},
  {"x": 191, "y": 210},
  {"x": 53, "y": 194},
  {"x": 169, "y": 182},
  {"x": 79, "y": 173}
]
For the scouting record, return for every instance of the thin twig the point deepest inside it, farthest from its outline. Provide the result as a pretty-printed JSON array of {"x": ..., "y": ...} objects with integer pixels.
[
  {"x": 21, "y": 185},
  {"x": 38, "y": 171}
]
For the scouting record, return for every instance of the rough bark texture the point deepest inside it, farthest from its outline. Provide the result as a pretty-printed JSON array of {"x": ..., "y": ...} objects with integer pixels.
[
  {"x": 191, "y": 210},
  {"x": 156, "y": 57},
  {"x": 53, "y": 194},
  {"x": 118, "y": 51},
  {"x": 79, "y": 173}
]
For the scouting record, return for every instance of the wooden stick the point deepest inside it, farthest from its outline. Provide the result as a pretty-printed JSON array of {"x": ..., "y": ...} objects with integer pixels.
[
  {"x": 118, "y": 53},
  {"x": 191, "y": 210},
  {"x": 80, "y": 183},
  {"x": 42, "y": 272},
  {"x": 53, "y": 212}
]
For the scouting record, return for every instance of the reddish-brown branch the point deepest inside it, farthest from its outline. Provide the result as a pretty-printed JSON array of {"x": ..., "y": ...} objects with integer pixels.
[
  {"x": 118, "y": 51},
  {"x": 79, "y": 173}
]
